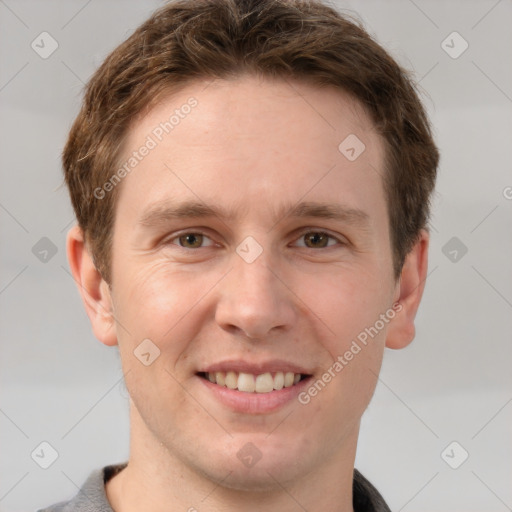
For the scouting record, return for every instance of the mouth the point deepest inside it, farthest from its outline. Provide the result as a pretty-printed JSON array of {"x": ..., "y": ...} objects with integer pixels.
[{"x": 250, "y": 383}]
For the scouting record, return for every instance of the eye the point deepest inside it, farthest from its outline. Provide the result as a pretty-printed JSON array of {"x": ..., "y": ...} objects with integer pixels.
[
  {"x": 317, "y": 239},
  {"x": 190, "y": 240}
]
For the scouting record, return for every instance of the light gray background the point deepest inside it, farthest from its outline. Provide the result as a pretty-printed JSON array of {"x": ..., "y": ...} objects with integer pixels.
[{"x": 453, "y": 383}]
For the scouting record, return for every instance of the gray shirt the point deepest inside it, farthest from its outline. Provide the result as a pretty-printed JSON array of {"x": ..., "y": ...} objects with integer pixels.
[{"x": 93, "y": 498}]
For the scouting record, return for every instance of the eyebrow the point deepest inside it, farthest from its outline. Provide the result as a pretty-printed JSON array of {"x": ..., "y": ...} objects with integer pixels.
[{"x": 164, "y": 212}]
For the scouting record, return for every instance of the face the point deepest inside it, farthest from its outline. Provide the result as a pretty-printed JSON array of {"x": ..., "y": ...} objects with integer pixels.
[{"x": 248, "y": 246}]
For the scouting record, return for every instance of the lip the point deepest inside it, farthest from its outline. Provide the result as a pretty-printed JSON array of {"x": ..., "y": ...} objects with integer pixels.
[
  {"x": 254, "y": 403},
  {"x": 272, "y": 366}
]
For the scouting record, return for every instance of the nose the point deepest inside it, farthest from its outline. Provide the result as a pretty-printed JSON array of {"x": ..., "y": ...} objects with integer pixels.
[{"x": 255, "y": 299}]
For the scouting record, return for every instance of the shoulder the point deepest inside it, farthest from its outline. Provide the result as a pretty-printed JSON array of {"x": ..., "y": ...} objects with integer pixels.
[
  {"x": 365, "y": 497},
  {"x": 92, "y": 496}
]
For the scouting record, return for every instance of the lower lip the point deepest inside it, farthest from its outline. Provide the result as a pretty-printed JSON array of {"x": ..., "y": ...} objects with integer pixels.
[{"x": 255, "y": 403}]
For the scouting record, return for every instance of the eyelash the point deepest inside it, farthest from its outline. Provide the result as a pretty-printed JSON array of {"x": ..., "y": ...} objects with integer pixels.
[{"x": 301, "y": 234}]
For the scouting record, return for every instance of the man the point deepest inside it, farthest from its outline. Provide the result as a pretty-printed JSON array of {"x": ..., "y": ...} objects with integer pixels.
[{"x": 251, "y": 181}]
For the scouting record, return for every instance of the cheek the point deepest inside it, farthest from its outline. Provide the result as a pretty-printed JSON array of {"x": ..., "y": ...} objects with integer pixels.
[
  {"x": 345, "y": 302},
  {"x": 348, "y": 308},
  {"x": 155, "y": 303}
]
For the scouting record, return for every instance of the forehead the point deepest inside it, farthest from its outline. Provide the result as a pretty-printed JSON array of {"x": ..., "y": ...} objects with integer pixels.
[{"x": 250, "y": 141}]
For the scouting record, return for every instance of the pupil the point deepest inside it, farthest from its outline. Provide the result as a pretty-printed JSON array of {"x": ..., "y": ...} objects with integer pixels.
[{"x": 316, "y": 237}]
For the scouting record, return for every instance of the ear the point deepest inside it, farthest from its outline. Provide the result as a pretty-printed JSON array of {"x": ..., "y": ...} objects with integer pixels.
[
  {"x": 401, "y": 330},
  {"x": 93, "y": 288}
]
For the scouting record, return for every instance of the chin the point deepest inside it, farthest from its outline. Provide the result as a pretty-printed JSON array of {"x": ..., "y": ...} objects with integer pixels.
[
  {"x": 261, "y": 482},
  {"x": 252, "y": 469},
  {"x": 266, "y": 478}
]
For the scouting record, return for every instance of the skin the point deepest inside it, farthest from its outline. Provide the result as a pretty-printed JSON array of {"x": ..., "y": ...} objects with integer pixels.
[{"x": 250, "y": 146}]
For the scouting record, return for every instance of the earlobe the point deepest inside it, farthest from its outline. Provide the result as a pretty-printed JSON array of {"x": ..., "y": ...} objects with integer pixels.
[
  {"x": 401, "y": 330},
  {"x": 93, "y": 289}
]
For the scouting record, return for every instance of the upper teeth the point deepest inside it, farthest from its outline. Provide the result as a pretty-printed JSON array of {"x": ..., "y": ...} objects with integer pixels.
[{"x": 263, "y": 383}]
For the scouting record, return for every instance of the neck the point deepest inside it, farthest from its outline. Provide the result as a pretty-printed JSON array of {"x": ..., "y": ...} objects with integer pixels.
[{"x": 155, "y": 480}]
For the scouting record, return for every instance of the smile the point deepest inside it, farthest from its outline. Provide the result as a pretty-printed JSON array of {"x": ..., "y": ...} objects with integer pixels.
[{"x": 250, "y": 383}]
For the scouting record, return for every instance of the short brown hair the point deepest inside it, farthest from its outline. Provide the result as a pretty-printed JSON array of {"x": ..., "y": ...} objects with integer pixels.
[{"x": 186, "y": 40}]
